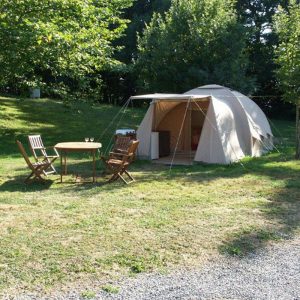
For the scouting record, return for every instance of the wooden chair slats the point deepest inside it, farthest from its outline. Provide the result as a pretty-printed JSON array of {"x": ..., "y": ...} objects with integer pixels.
[
  {"x": 121, "y": 146},
  {"x": 37, "y": 146},
  {"x": 118, "y": 163},
  {"x": 37, "y": 168}
]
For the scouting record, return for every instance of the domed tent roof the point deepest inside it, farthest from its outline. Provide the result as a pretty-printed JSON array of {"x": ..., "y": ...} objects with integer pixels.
[
  {"x": 249, "y": 118},
  {"x": 255, "y": 115},
  {"x": 233, "y": 127}
]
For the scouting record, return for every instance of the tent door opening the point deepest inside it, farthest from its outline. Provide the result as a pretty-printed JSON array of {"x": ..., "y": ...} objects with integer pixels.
[
  {"x": 198, "y": 116},
  {"x": 182, "y": 146},
  {"x": 197, "y": 121}
]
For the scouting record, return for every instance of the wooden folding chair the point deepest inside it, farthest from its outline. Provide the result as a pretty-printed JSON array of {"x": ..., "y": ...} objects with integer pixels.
[
  {"x": 119, "y": 167},
  {"x": 121, "y": 146},
  {"x": 37, "y": 168},
  {"x": 36, "y": 145}
]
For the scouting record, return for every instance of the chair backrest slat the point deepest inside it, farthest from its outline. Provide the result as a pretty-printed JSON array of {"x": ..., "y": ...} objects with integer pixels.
[
  {"x": 24, "y": 154},
  {"x": 36, "y": 143},
  {"x": 133, "y": 147},
  {"x": 121, "y": 143}
]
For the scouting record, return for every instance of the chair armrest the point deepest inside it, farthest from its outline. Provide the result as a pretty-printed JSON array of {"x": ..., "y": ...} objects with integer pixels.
[
  {"x": 120, "y": 151},
  {"x": 126, "y": 156},
  {"x": 121, "y": 154},
  {"x": 116, "y": 153},
  {"x": 54, "y": 150}
]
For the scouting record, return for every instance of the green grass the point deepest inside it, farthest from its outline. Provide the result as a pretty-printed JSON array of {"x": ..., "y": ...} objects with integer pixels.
[
  {"x": 110, "y": 289},
  {"x": 88, "y": 294},
  {"x": 60, "y": 234}
]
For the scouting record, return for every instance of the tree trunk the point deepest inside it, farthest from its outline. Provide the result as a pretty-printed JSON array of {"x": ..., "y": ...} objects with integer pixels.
[{"x": 298, "y": 130}]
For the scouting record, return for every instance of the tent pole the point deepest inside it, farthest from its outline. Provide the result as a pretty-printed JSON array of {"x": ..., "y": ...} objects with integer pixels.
[
  {"x": 190, "y": 134},
  {"x": 180, "y": 132}
]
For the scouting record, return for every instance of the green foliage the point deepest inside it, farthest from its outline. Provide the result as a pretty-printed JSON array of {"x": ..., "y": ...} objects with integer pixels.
[
  {"x": 196, "y": 42},
  {"x": 120, "y": 83},
  {"x": 140, "y": 13},
  {"x": 58, "y": 42},
  {"x": 287, "y": 25},
  {"x": 67, "y": 234},
  {"x": 260, "y": 42},
  {"x": 88, "y": 294},
  {"x": 110, "y": 289}
]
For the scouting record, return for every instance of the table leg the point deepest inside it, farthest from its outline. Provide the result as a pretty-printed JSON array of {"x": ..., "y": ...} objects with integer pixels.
[
  {"x": 61, "y": 166},
  {"x": 94, "y": 166},
  {"x": 65, "y": 167}
]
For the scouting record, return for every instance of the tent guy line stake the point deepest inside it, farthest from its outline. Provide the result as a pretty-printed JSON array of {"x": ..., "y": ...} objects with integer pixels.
[{"x": 184, "y": 117}]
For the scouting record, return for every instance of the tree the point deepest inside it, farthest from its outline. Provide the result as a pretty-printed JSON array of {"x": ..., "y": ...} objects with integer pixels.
[
  {"x": 58, "y": 41},
  {"x": 257, "y": 16},
  {"x": 196, "y": 42},
  {"x": 287, "y": 25},
  {"x": 139, "y": 14},
  {"x": 119, "y": 83}
]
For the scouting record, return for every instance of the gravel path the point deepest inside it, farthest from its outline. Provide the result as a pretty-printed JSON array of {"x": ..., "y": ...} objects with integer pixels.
[{"x": 272, "y": 273}]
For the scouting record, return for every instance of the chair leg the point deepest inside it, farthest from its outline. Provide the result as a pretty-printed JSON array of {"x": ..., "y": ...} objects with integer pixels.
[
  {"x": 28, "y": 177},
  {"x": 35, "y": 176},
  {"x": 130, "y": 177},
  {"x": 114, "y": 177},
  {"x": 124, "y": 180},
  {"x": 36, "y": 173},
  {"x": 120, "y": 175},
  {"x": 52, "y": 167},
  {"x": 39, "y": 178},
  {"x": 128, "y": 174}
]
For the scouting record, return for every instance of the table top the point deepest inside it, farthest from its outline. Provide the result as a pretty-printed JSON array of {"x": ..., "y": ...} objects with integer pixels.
[{"x": 78, "y": 146}]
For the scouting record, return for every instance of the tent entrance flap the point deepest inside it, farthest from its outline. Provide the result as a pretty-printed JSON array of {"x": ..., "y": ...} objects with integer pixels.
[
  {"x": 173, "y": 117},
  {"x": 198, "y": 115}
]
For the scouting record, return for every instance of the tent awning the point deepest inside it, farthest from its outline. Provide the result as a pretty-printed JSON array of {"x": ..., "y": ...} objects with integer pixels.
[{"x": 170, "y": 97}]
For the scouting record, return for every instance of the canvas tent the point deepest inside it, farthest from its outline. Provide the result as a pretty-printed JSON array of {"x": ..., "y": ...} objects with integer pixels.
[{"x": 211, "y": 124}]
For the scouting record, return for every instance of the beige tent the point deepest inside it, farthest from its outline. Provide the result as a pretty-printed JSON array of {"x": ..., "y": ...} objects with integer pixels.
[{"x": 211, "y": 124}]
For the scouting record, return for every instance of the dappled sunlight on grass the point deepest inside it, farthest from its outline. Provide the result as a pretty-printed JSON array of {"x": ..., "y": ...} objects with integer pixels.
[{"x": 54, "y": 233}]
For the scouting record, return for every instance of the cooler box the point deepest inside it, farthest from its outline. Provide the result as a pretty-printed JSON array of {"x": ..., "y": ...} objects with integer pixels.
[{"x": 154, "y": 153}]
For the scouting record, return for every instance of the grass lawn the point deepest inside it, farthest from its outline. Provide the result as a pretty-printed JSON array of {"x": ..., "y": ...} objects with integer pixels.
[{"x": 55, "y": 234}]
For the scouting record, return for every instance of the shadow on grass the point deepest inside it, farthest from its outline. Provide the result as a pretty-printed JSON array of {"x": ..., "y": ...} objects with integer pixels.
[
  {"x": 57, "y": 121},
  {"x": 60, "y": 123},
  {"x": 16, "y": 184},
  {"x": 78, "y": 178},
  {"x": 281, "y": 208}
]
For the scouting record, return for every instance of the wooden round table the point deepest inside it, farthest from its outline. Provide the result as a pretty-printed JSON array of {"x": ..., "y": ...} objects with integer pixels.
[{"x": 66, "y": 147}]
